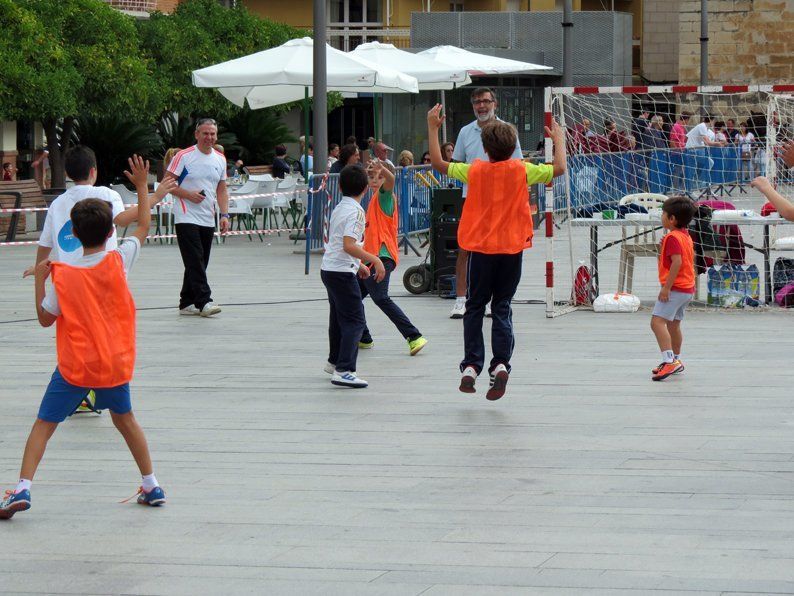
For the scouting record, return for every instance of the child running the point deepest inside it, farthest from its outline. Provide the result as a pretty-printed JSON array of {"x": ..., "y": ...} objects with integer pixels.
[
  {"x": 94, "y": 314},
  {"x": 341, "y": 264},
  {"x": 380, "y": 238},
  {"x": 677, "y": 278},
  {"x": 495, "y": 227}
]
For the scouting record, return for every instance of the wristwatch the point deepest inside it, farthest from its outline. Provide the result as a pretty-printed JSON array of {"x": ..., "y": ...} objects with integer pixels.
[{"x": 226, "y": 215}]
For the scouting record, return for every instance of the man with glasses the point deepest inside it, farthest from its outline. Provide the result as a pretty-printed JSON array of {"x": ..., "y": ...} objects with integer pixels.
[
  {"x": 200, "y": 172},
  {"x": 468, "y": 148}
]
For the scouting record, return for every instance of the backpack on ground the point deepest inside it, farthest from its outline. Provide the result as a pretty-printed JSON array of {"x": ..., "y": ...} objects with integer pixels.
[
  {"x": 782, "y": 274},
  {"x": 583, "y": 286}
]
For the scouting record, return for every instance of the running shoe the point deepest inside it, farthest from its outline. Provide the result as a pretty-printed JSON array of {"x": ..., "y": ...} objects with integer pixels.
[
  {"x": 88, "y": 405},
  {"x": 190, "y": 310},
  {"x": 499, "y": 377},
  {"x": 348, "y": 379},
  {"x": 488, "y": 310},
  {"x": 414, "y": 345},
  {"x": 656, "y": 370},
  {"x": 329, "y": 368},
  {"x": 154, "y": 498},
  {"x": 210, "y": 309},
  {"x": 666, "y": 369},
  {"x": 467, "y": 380},
  {"x": 458, "y": 310},
  {"x": 14, "y": 502},
  {"x": 366, "y": 345}
]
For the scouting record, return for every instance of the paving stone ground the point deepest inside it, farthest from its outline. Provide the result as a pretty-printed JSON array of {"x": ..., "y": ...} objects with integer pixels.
[{"x": 587, "y": 478}]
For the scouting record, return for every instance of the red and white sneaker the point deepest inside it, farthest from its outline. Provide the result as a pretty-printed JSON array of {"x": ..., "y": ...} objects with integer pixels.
[
  {"x": 655, "y": 371},
  {"x": 666, "y": 369}
]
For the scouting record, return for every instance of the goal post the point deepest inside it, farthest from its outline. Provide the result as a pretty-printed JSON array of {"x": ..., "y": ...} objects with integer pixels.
[{"x": 629, "y": 148}]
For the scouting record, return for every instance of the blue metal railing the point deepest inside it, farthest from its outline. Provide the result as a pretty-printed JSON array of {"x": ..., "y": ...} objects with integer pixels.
[{"x": 603, "y": 178}]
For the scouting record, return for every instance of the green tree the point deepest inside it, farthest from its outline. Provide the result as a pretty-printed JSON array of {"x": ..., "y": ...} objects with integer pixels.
[
  {"x": 258, "y": 132},
  {"x": 200, "y": 33},
  {"x": 72, "y": 57}
]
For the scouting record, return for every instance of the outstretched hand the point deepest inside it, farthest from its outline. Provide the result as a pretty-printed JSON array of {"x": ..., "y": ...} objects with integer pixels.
[
  {"x": 138, "y": 172},
  {"x": 434, "y": 117},
  {"x": 165, "y": 187},
  {"x": 555, "y": 132}
]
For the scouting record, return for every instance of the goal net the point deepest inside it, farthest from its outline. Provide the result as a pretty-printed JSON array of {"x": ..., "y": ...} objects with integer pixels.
[{"x": 631, "y": 148}]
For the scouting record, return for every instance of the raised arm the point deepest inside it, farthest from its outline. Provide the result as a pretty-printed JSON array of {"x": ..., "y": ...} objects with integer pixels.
[
  {"x": 138, "y": 175},
  {"x": 784, "y": 207},
  {"x": 557, "y": 135},
  {"x": 434, "y": 121}
]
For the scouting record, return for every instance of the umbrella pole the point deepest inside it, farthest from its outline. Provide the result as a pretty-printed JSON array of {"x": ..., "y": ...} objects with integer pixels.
[
  {"x": 377, "y": 118},
  {"x": 310, "y": 196},
  {"x": 444, "y": 122}
]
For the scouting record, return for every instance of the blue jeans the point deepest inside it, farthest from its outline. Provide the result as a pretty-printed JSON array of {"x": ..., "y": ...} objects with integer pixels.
[
  {"x": 494, "y": 279},
  {"x": 379, "y": 292},
  {"x": 346, "y": 320}
]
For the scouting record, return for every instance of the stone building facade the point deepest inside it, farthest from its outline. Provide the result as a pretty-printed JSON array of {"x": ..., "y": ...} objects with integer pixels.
[{"x": 750, "y": 41}]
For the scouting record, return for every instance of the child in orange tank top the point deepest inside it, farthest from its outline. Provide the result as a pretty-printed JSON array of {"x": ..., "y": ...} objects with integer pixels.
[
  {"x": 678, "y": 279},
  {"x": 95, "y": 337},
  {"x": 495, "y": 227},
  {"x": 380, "y": 238}
]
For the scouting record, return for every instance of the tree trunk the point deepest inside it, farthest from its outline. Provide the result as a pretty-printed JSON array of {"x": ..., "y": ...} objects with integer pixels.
[{"x": 57, "y": 147}]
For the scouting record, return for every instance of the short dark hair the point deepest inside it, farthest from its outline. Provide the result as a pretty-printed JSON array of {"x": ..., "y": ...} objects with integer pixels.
[
  {"x": 706, "y": 118},
  {"x": 347, "y": 151},
  {"x": 686, "y": 115},
  {"x": 92, "y": 222},
  {"x": 332, "y": 146},
  {"x": 498, "y": 139},
  {"x": 482, "y": 91},
  {"x": 353, "y": 180},
  {"x": 78, "y": 162},
  {"x": 281, "y": 150},
  {"x": 680, "y": 207},
  {"x": 351, "y": 140},
  {"x": 6, "y": 164}
]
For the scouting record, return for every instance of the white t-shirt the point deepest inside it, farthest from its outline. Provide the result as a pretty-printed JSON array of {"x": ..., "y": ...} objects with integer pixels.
[
  {"x": 745, "y": 142},
  {"x": 347, "y": 219},
  {"x": 197, "y": 171},
  {"x": 57, "y": 233},
  {"x": 129, "y": 251},
  {"x": 694, "y": 138}
]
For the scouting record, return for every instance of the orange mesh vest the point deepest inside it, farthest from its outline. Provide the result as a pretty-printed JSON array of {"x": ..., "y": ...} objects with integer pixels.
[
  {"x": 685, "y": 280},
  {"x": 496, "y": 218},
  {"x": 95, "y": 334},
  {"x": 381, "y": 229}
]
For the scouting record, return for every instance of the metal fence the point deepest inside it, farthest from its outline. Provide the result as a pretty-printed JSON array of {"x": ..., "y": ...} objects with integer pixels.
[{"x": 412, "y": 189}]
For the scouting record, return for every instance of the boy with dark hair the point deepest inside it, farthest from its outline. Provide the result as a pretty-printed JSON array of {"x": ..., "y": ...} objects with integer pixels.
[
  {"x": 380, "y": 238},
  {"x": 677, "y": 278},
  {"x": 495, "y": 227},
  {"x": 95, "y": 337},
  {"x": 341, "y": 264}
]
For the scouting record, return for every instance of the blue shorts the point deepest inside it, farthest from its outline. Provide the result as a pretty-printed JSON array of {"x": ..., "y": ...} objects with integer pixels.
[{"x": 62, "y": 398}]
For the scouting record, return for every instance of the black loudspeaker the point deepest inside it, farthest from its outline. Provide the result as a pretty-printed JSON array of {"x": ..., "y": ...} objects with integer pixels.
[{"x": 446, "y": 204}]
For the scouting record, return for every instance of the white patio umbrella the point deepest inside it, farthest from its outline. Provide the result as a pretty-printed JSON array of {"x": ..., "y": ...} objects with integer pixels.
[
  {"x": 283, "y": 74},
  {"x": 476, "y": 64},
  {"x": 430, "y": 74},
  {"x": 479, "y": 64}
]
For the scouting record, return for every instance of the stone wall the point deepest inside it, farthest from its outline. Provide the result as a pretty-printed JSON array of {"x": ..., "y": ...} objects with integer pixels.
[
  {"x": 660, "y": 40},
  {"x": 750, "y": 41}
]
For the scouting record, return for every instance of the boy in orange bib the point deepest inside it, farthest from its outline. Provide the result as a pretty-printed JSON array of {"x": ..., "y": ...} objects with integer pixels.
[
  {"x": 495, "y": 227},
  {"x": 677, "y": 278},
  {"x": 94, "y": 315},
  {"x": 380, "y": 238}
]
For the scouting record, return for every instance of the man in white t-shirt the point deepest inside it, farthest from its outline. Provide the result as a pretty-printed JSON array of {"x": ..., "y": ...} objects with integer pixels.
[
  {"x": 468, "y": 148},
  {"x": 697, "y": 139},
  {"x": 200, "y": 172},
  {"x": 57, "y": 243}
]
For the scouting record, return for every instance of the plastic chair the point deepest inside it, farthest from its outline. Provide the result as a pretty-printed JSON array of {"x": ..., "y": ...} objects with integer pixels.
[
  {"x": 285, "y": 202},
  {"x": 260, "y": 178},
  {"x": 241, "y": 209},
  {"x": 642, "y": 243},
  {"x": 264, "y": 203}
]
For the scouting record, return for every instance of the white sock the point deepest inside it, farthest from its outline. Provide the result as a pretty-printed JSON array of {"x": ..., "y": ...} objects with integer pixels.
[
  {"x": 677, "y": 356},
  {"x": 149, "y": 482},
  {"x": 460, "y": 301},
  {"x": 667, "y": 356},
  {"x": 23, "y": 485}
]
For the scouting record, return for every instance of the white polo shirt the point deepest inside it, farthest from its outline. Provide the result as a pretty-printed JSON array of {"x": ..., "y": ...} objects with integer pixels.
[
  {"x": 468, "y": 146},
  {"x": 57, "y": 232},
  {"x": 694, "y": 138},
  {"x": 197, "y": 171},
  {"x": 347, "y": 219}
]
